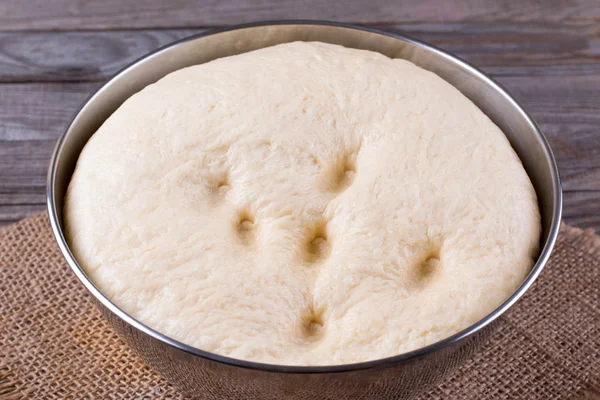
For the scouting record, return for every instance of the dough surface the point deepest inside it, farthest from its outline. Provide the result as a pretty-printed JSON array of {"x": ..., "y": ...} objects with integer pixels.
[{"x": 303, "y": 204}]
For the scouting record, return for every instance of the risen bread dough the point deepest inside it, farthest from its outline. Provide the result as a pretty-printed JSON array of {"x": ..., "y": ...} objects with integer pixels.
[{"x": 303, "y": 204}]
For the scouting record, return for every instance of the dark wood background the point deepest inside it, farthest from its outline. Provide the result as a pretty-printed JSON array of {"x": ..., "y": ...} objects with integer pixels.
[{"x": 54, "y": 53}]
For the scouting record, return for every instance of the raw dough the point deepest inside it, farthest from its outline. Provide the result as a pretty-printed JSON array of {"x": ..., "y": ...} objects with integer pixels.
[{"x": 303, "y": 204}]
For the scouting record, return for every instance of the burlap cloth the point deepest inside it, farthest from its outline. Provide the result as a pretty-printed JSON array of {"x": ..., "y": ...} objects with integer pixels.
[{"x": 54, "y": 344}]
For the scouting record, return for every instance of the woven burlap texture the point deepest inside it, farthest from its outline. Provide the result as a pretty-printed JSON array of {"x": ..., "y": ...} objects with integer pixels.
[{"x": 54, "y": 344}]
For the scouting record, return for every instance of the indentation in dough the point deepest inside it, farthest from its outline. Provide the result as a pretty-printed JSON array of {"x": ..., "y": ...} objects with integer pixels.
[
  {"x": 427, "y": 268},
  {"x": 340, "y": 175},
  {"x": 245, "y": 226},
  {"x": 313, "y": 325},
  {"x": 317, "y": 245},
  {"x": 219, "y": 184}
]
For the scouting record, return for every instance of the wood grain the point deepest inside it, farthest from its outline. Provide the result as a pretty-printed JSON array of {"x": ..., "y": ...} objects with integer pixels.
[
  {"x": 76, "y": 56},
  {"x": 111, "y": 14},
  {"x": 581, "y": 209},
  {"x": 502, "y": 49},
  {"x": 39, "y": 111}
]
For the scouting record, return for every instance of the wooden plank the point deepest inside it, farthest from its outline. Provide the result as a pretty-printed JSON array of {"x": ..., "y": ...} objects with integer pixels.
[
  {"x": 502, "y": 49},
  {"x": 567, "y": 111},
  {"x": 580, "y": 179},
  {"x": 12, "y": 213},
  {"x": 30, "y": 112},
  {"x": 512, "y": 49},
  {"x": 114, "y": 14},
  {"x": 581, "y": 209},
  {"x": 76, "y": 56},
  {"x": 32, "y": 116},
  {"x": 23, "y": 166},
  {"x": 565, "y": 108}
]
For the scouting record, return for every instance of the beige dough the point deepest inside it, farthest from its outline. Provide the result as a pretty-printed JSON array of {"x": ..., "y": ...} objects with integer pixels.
[{"x": 303, "y": 204}]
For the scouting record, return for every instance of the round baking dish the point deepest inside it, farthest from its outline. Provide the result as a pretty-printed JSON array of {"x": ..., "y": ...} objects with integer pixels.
[{"x": 206, "y": 375}]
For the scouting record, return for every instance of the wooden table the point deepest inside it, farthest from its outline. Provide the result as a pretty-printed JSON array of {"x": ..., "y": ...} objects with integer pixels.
[{"x": 54, "y": 53}]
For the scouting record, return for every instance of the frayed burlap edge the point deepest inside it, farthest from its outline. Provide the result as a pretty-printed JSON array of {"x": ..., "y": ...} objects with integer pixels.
[{"x": 583, "y": 239}]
